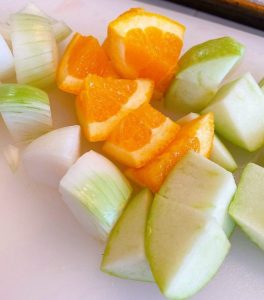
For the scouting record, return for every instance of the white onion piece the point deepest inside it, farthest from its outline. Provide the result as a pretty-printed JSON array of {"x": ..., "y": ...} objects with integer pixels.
[
  {"x": 33, "y": 9},
  {"x": 61, "y": 31},
  {"x": 35, "y": 50},
  {"x": 12, "y": 156},
  {"x": 96, "y": 192},
  {"x": 48, "y": 158},
  {"x": 25, "y": 111},
  {"x": 6, "y": 60},
  {"x": 27, "y": 126}
]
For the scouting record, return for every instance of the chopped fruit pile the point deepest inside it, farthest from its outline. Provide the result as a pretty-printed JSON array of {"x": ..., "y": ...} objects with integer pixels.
[
  {"x": 179, "y": 236},
  {"x": 116, "y": 110}
]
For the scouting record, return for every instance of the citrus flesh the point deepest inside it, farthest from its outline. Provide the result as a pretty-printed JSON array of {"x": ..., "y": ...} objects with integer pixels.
[{"x": 104, "y": 102}]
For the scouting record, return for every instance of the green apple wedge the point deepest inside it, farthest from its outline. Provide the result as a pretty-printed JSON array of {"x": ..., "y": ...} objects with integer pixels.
[
  {"x": 96, "y": 192},
  {"x": 201, "y": 70},
  {"x": 238, "y": 109},
  {"x": 124, "y": 254},
  {"x": 185, "y": 247},
  {"x": 203, "y": 185},
  {"x": 219, "y": 154},
  {"x": 247, "y": 208}
]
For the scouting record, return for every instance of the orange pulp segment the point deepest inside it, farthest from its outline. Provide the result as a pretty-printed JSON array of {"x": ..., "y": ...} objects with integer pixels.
[
  {"x": 140, "y": 136},
  {"x": 196, "y": 135},
  {"x": 104, "y": 102},
  {"x": 145, "y": 45},
  {"x": 203, "y": 128},
  {"x": 83, "y": 56},
  {"x": 153, "y": 174}
]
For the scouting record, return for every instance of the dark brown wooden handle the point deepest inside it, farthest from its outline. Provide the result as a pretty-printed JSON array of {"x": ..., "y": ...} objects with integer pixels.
[{"x": 243, "y": 11}]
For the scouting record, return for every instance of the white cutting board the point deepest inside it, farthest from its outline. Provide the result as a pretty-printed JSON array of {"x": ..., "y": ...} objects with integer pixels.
[{"x": 44, "y": 253}]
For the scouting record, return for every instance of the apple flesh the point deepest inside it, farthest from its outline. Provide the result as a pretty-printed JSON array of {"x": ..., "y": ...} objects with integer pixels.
[
  {"x": 203, "y": 185},
  {"x": 185, "y": 247},
  {"x": 124, "y": 254},
  {"x": 247, "y": 208},
  {"x": 201, "y": 70},
  {"x": 219, "y": 154},
  {"x": 238, "y": 109}
]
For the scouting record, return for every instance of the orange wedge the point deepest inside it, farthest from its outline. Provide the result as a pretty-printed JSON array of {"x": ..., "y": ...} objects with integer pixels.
[
  {"x": 83, "y": 56},
  {"x": 104, "y": 102},
  {"x": 196, "y": 135},
  {"x": 145, "y": 45},
  {"x": 140, "y": 136},
  {"x": 154, "y": 173},
  {"x": 203, "y": 128}
]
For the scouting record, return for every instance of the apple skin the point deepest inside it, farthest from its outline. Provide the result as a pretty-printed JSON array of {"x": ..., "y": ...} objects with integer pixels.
[{"x": 201, "y": 70}]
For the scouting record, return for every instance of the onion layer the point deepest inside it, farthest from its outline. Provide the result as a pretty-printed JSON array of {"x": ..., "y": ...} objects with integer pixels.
[
  {"x": 35, "y": 50},
  {"x": 25, "y": 111}
]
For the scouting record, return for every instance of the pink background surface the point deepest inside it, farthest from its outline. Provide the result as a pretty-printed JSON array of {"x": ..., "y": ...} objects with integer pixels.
[{"x": 44, "y": 253}]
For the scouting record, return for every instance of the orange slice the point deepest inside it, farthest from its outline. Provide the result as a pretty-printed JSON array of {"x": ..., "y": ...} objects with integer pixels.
[
  {"x": 154, "y": 173},
  {"x": 196, "y": 135},
  {"x": 145, "y": 45},
  {"x": 140, "y": 136},
  {"x": 83, "y": 56},
  {"x": 104, "y": 102},
  {"x": 203, "y": 128}
]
